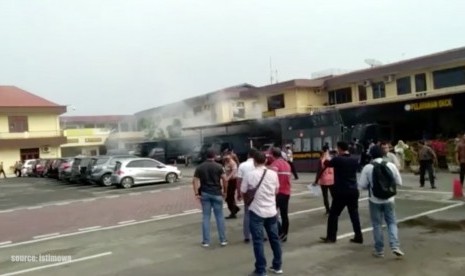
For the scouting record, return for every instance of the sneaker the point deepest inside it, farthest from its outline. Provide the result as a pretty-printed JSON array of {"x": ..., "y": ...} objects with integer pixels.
[
  {"x": 204, "y": 244},
  {"x": 378, "y": 254},
  {"x": 398, "y": 253},
  {"x": 275, "y": 271},
  {"x": 224, "y": 243}
]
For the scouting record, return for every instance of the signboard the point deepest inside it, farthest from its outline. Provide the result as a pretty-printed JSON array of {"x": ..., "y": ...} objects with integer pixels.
[
  {"x": 428, "y": 105},
  {"x": 73, "y": 140},
  {"x": 93, "y": 140},
  {"x": 307, "y": 155}
]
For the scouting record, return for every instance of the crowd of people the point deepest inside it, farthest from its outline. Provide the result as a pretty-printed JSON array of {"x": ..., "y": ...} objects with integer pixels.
[{"x": 265, "y": 189}]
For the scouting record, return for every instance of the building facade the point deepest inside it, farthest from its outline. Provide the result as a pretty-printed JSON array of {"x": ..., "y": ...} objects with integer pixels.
[{"x": 29, "y": 127}]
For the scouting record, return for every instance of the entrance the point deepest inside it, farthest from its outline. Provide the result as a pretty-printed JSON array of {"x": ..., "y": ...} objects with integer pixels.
[{"x": 29, "y": 154}]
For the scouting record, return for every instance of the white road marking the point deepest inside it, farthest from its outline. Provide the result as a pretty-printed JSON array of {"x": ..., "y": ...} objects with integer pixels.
[
  {"x": 35, "y": 207},
  {"x": 5, "y": 242},
  {"x": 437, "y": 210},
  {"x": 112, "y": 196},
  {"x": 160, "y": 216},
  {"x": 174, "y": 189},
  {"x": 88, "y": 199},
  {"x": 57, "y": 264},
  {"x": 134, "y": 194},
  {"x": 89, "y": 228},
  {"x": 127, "y": 221},
  {"x": 155, "y": 191},
  {"x": 8, "y": 210},
  {"x": 191, "y": 211},
  {"x": 46, "y": 236},
  {"x": 425, "y": 192},
  {"x": 62, "y": 203}
]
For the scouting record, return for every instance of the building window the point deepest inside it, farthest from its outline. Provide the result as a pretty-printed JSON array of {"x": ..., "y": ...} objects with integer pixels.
[
  {"x": 317, "y": 144},
  {"x": 340, "y": 96},
  {"x": 275, "y": 102},
  {"x": 449, "y": 77},
  {"x": 18, "y": 123},
  {"x": 362, "y": 93},
  {"x": 197, "y": 110},
  {"x": 403, "y": 86},
  {"x": 297, "y": 145},
  {"x": 238, "y": 110},
  {"x": 420, "y": 82},
  {"x": 379, "y": 90}
]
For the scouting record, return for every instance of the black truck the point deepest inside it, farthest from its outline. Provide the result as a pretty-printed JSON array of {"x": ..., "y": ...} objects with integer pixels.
[{"x": 169, "y": 150}]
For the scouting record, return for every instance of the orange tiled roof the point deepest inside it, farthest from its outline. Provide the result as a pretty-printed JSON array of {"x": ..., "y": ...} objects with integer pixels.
[{"x": 12, "y": 96}]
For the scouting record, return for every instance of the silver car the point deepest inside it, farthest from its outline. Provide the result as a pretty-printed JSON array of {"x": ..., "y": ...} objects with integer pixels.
[{"x": 136, "y": 171}]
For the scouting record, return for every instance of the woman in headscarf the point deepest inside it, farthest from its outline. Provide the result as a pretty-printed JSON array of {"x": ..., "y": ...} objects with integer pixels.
[{"x": 399, "y": 149}]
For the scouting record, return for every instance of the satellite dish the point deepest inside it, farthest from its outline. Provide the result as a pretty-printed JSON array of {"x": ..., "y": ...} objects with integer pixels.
[{"x": 373, "y": 62}]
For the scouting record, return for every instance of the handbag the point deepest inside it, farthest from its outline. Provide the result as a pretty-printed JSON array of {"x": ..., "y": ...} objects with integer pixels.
[{"x": 250, "y": 194}]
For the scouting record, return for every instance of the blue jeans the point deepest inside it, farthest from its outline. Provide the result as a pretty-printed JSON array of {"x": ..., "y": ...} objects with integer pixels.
[
  {"x": 214, "y": 202},
  {"x": 257, "y": 224},
  {"x": 385, "y": 211}
]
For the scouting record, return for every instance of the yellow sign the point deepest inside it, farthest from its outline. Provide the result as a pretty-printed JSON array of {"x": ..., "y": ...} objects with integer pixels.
[
  {"x": 307, "y": 155},
  {"x": 429, "y": 105},
  {"x": 73, "y": 141},
  {"x": 93, "y": 140}
]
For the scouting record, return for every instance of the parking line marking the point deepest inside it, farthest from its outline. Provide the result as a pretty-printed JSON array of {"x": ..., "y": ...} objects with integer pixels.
[
  {"x": 174, "y": 189},
  {"x": 112, "y": 196},
  {"x": 35, "y": 207},
  {"x": 134, "y": 194},
  {"x": 45, "y": 236},
  {"x": 155, "y": 191},
  {"x": 160, "y": 216},
  {"x": 433, "y": 211},
  {"x": 5, "y": 242},
  {"x": 89, "y": 228},
  {"x": 126, "y": 221},
  {"x": 109, "y": 228},
  {"x": 8, "y": 210},
  {"x": 88, "y": 199},
  {"x": 57, "y": 264},
  {"x": 62, "y": 203},
  {"x": 425, "y": 192},
  {"x": 191, "y": 211}
]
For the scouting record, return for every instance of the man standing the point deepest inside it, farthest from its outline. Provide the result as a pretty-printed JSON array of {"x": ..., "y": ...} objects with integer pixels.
[
  {"x": 460, "y": 156},
  {"x": 230, "y": 168},
  {"x": 290, "y": 160},
  {"x": 262, "y": 212},
  {"x": 282, "y": 198},
  {"x": 388, "y": 156},
  {"x": 375, "y": 177},
  {"x": 427, "y": 158},
  {"x": 242, "y": 171},
  {"x": 210, "y": 186},
  {"x": 345, "y": 193},
  {"x": 2, "y": 171}
]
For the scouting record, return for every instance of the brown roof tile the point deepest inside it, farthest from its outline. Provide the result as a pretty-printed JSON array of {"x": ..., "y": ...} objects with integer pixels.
[
  {"x": 95, "y": 119},
  {"x": 12, "y": 96}
]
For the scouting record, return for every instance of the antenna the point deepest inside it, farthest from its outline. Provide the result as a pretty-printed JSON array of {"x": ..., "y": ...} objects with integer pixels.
[
  {"x": 271, "y": 72},
  {"x": 276, "y": 77},
  {"x": 373, "y": 62}
]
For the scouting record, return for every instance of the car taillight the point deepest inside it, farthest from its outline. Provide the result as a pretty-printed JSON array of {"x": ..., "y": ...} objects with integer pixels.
[
  {"x": 119, "y": 172},
  {"x": 65, "y": 166}
]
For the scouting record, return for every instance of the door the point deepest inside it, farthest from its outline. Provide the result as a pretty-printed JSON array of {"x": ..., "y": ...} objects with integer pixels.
[
  {"x": 27, "y": 154},
  {"x": 152, "y": 171}
]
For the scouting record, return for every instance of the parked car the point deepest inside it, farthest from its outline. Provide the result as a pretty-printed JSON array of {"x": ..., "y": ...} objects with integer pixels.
[
  {"x": 101, "y": 167},
  {"x": 38, "y": 169},
  {"x": 64, "y": 171},
  {"x": 136, "y": 171},
  {"x": 28, "y": 167},
  {"x": 78, "y": 169}
]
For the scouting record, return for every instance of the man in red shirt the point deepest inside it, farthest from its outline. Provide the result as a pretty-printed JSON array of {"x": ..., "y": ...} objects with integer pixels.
[{"x": 284, "y": 171}]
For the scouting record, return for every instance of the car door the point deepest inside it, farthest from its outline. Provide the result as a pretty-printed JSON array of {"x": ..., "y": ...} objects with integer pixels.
[
  {"x": 151, "y": 171},
  {"x": 136, "y": 170}
]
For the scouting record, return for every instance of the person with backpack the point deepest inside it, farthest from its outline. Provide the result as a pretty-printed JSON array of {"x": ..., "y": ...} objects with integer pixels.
[{"x": 381, "y": 178}]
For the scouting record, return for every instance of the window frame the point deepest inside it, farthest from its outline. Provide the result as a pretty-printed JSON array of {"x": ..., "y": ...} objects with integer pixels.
[
  {"x": 18, "y": 124},
  {"x": 400, "y": 82}
]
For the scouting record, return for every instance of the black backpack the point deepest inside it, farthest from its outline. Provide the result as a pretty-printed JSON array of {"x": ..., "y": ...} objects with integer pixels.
[{"x": 384, "y": 184}]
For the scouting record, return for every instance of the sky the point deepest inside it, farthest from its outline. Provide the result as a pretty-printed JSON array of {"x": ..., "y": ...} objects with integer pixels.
[{"x": 122, "y": 56}]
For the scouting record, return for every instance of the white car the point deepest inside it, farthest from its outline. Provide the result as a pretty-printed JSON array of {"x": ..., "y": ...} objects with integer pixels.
[
  {"x": 136, "y": 171},
  {"x": 28, "y": 165}
]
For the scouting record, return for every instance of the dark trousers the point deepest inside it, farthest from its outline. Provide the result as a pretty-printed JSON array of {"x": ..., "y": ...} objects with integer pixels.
[
  {"x": 282, "y": 203},
  {"x": 3, "y": 172},
  {"x": 341, "y": 200},
  {"x": 462, "y": 173},
  {"x": 426, "y": 166},
  {"x": 294, "y": 172},
  {"x": 231, "y": 197},
  {"x": 324, "y": 191}
]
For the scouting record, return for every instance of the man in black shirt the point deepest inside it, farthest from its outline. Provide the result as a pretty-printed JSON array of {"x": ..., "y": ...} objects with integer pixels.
[
  {"x": 210, "y": 188},
  {"x": 345, "y": 193}
]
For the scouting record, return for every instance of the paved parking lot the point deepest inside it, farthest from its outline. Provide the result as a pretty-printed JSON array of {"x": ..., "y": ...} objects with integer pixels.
[{"x": 155, "y": 230}]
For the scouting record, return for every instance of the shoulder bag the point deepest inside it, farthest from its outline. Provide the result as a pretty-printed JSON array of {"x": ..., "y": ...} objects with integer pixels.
[{"x": 250, "y": 194}]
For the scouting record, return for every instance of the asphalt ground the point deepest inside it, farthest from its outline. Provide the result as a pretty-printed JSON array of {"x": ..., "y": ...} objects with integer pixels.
[{"x": 155, "y": 230}]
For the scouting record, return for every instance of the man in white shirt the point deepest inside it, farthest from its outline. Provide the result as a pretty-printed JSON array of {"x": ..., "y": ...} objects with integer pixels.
[
  {"x": 263, "y": 214},
  {"x": 381, "y": 208},
  {"x": 242, "y": 171}
]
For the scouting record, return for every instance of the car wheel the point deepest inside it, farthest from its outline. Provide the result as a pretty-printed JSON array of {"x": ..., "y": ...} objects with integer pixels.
[
  {"x": 106, "y": 180},
  {"x": 127, "y": 182},
  {"x": 171, "y": 177}
]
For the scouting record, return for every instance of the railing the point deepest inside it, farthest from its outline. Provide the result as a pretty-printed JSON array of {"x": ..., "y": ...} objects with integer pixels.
[{"x": 30, "y": 134}]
